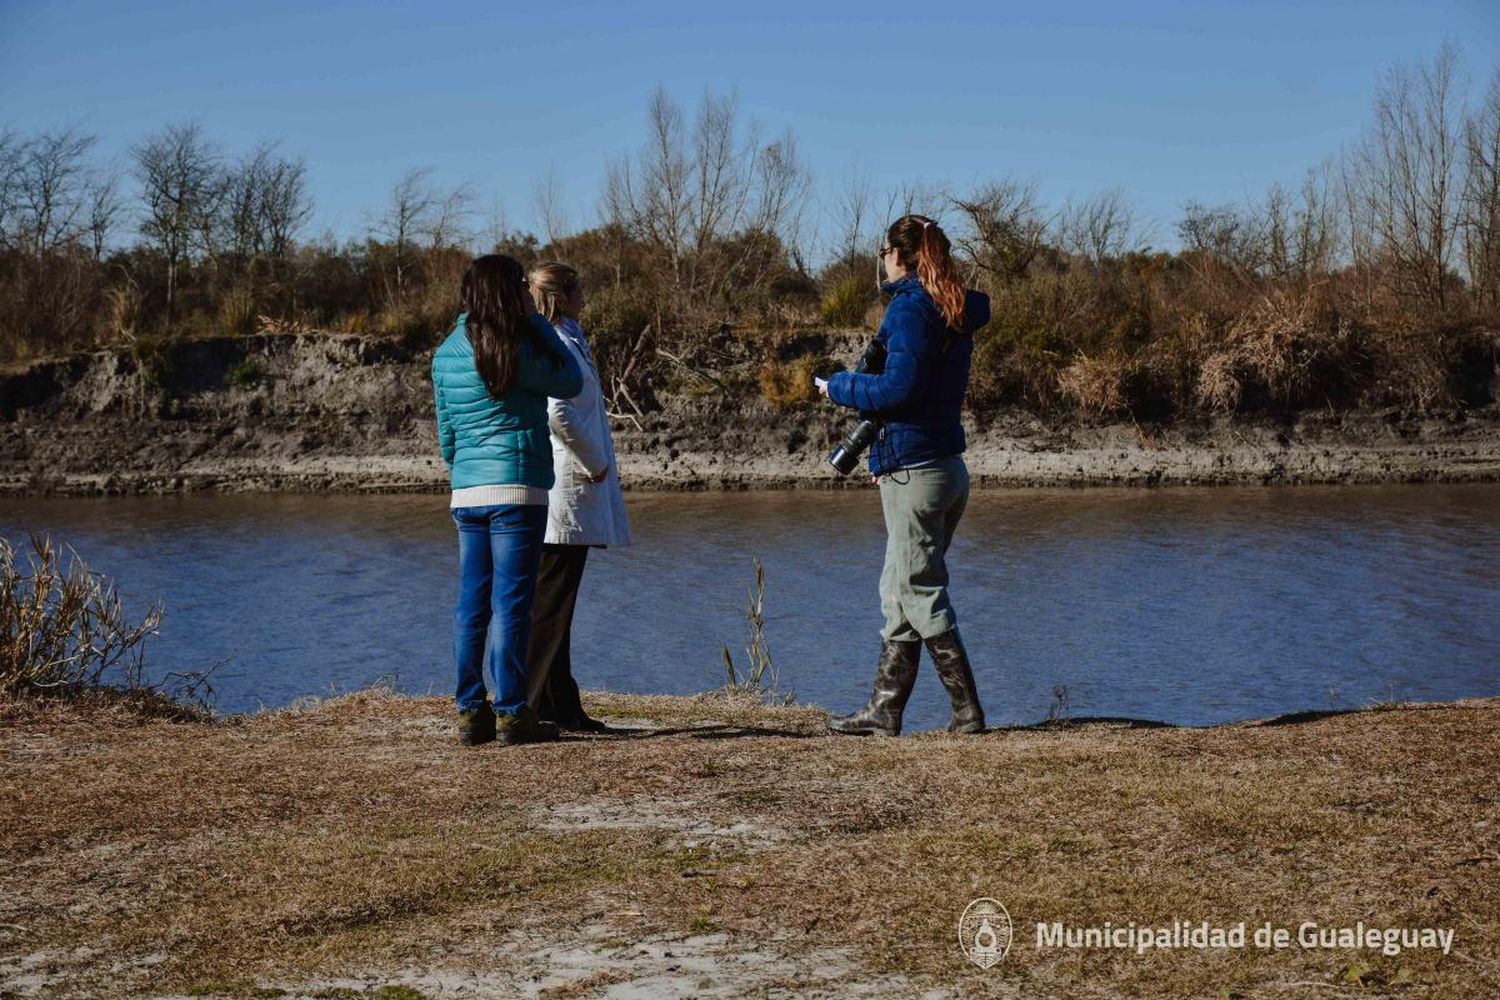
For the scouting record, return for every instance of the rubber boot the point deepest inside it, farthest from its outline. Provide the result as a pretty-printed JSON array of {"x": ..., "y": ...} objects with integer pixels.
[
  {"x": 895, "y": 675},
  {"x": 951, "y": 661}
]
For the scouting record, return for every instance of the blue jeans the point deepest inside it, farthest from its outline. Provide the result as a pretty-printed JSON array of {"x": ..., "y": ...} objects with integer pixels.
[{"x": 499, "y": 548}]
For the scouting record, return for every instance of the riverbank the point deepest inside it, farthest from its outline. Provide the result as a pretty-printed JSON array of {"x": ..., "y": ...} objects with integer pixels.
[
  {"x": 350, "y": 848},
  {"x": 322, "y": 412}
]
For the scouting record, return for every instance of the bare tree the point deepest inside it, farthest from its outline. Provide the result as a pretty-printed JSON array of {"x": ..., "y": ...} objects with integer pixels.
[
  {"x": 1317, "y": 224},
  {"x": 1231, "y": 234},
  {"x": 1101, "y": 227},
  {"x": 12, "y": 153},
  {"x": 1481, "y": 198},
  {"x": 1358, "y": 225},
  {"x": 917, "y": 197},
  {"x": 659, "y": 211},
  {"x": 779, "y": 189},
  {"x": 266, "y": 203},
  {"x": 1006, "y": 228},
  {"x": 617, "y": 201},
  {"x": 285, "y": 204},
  {"x": 421, "y": 216},
  {"x": 102, "y": 209},
  {"x": 762, "y": 224},
  {"x": 851, "y": 211},
  {"x": 242, "y": 197},
  {"x": 1407, "y": 169},
  {"x": 406, "y": 217},
  {"x": 51, "y": 180},
  {"x": 688, "y": 192},
  {"x": 721, "y": 188},
  {"x": 447, "y": 225},
  {"x": 1288, "y": 235},
  {"x": 551, "y": 209},
  {"x": 496, "y": 226},
  {"x": 181, "y": 183}
]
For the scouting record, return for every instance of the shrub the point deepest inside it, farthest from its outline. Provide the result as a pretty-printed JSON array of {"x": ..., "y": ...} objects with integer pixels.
[
  {"x": 1219, "y": 386},
  {"x": 1096, "y": 385},
  {"x": 63, "y": 626},
  {"x": 123, "y": 307},
  {"x": 1430, "y": 370},
  {"x": 246, "y": 374},
  {"x": 847, "y": 301},
  {"x": 237, "y": 312},
  {"x": 788, "y": 384},
  {"x": 760, "y": 681}
]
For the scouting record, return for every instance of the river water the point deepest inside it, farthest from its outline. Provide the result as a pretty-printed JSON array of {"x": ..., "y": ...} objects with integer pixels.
[{"x": 1183, "y": 605}]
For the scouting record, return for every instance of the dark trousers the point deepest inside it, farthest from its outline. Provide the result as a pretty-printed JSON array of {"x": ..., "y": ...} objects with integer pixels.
[{"x": 550, "y": 687}]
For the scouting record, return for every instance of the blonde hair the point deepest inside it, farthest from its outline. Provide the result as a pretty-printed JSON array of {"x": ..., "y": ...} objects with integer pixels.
[{"x": 552, "y": 284}]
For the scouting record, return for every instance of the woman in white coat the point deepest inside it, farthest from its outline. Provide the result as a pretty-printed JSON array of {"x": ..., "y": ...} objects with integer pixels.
[{"x": 585, "y": 508}]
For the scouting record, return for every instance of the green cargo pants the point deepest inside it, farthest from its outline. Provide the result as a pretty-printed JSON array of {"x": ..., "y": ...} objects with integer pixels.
[{"x": 922, "y": 508}]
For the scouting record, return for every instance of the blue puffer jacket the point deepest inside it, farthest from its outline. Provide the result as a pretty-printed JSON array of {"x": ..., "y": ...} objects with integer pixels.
[
  {"x": 920, "y": 394},
  {"x": 500, "y": 442}
]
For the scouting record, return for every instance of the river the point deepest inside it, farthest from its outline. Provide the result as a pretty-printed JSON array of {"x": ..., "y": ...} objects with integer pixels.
[{"x": 1190, "y": 606}]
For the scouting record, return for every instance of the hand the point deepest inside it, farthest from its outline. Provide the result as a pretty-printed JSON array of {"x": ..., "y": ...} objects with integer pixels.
[
  {"x": 601, "y": 477},
  {"x": 822, "y": 384}
]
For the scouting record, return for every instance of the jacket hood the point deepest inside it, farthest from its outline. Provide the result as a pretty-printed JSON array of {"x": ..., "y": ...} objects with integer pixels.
[
  {"x": 976, "y": 311},
  {"x": 976, "y": 304}
]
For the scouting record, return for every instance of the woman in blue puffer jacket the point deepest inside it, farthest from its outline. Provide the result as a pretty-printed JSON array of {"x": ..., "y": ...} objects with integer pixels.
[
  {"x": 491, "y": 378},
  {"x": 917, "y": 458}
]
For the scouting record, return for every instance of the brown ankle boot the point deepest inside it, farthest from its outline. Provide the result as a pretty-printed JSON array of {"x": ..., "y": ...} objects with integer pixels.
[
  {"x": 895, "y": 675},
  {"x": 523, "y": 727},
  {"x": 951, "y": 661},
  {"x": 476, "y": 727}
]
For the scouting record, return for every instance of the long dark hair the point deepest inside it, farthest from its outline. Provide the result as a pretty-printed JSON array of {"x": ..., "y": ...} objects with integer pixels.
[
  {"x": 494, "y": 297},
  {"x": 924, "y": 247}
]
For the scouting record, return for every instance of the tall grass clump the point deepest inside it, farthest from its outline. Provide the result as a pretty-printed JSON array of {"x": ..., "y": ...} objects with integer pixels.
[
  {"x": 847, "y": 300},
  {"x": 789, "y": 384},
  {"x": 63, "y": 627},
  {"x": 760, "y": 679}
]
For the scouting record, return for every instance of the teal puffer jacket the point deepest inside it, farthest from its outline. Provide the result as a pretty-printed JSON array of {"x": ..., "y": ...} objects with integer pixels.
[{"x": 500, "y": 442}]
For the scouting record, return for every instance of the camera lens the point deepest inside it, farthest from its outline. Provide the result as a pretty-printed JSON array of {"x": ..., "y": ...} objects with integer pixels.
[{"x": 846, "y": 456}]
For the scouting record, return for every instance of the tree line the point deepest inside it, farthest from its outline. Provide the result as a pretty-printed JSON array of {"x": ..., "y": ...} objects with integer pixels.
[{"x": 1373, "y": 281}]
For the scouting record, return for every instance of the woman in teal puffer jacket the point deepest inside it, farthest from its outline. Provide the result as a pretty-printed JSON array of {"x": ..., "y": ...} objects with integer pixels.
[{"x": 491, "y": 379}]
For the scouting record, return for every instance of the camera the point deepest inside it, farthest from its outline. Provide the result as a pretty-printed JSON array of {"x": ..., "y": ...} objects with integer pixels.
[{"x": 846, "y": 456}]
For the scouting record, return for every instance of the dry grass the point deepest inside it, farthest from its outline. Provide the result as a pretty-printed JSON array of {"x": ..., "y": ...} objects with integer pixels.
[
  {"x": 354, "y": 838},
  {"x": 786, "y": 385},
  {"x": 847, "y": 300},
  {"x": 1096, "y": 385},
  {"x": 63, "y": 627}
]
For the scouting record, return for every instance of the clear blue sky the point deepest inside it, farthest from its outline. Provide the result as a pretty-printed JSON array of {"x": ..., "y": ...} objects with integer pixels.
[{"x": 1170, "y": 100}]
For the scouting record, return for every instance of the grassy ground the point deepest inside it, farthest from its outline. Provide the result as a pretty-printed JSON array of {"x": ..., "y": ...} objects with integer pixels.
[{"x": 351, "y": 848}]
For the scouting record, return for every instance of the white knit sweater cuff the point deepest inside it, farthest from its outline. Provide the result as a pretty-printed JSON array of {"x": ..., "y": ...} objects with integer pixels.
[{"x": 491, "y": 496}]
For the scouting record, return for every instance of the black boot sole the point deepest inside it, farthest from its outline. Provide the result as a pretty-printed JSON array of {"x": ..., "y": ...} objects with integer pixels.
[{"x": 864, "y": 731}]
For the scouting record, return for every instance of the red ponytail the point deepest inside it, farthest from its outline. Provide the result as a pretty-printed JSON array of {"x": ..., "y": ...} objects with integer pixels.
[{"x": 922, "y": 241}]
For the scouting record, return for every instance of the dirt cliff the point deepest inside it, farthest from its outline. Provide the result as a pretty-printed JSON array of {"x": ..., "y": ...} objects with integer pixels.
[{"x": 317, "y": 411}]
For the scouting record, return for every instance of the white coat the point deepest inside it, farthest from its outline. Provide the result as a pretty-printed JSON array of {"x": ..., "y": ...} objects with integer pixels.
[{"x": 580, "y": 512}]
